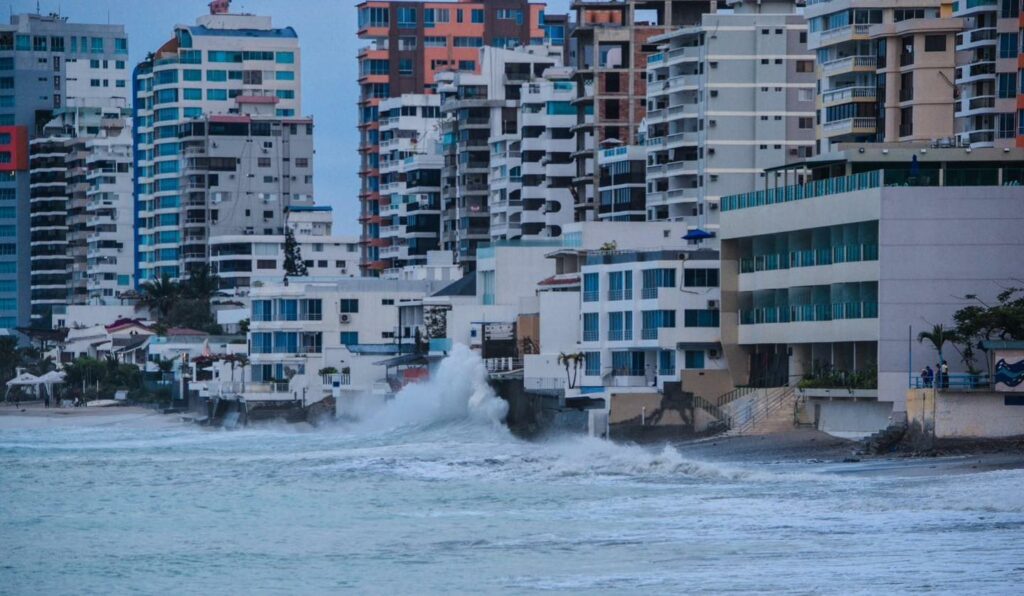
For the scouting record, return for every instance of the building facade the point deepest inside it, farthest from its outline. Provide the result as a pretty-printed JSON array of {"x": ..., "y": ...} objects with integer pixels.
[
  {"x": 232, "y": 76},
  {"x": 407, "y": 219},
  {"x": 726, "y": 100},
  {"x": 612, "y": 42},
  {"x": 833, "y": 278},
  {"x": 36, "y": 52},
  {"x": 482, "y": 147},
  {"x": 851, "y": 92},
  {"x": 409, "y": 44},
  {"x": 989, "y": 70}
]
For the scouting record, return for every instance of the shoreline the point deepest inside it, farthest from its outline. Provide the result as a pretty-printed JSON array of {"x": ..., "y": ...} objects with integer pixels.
[{"x": 804, "y": 448}]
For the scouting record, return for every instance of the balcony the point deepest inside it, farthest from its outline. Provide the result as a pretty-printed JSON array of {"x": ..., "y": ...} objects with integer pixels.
[
  {"x": 626, "y": 294},
  {"x": 591, "y": 296},
  {"x": 845, "y": 94},
  {"x": 849, "y": 126},
  {"x": 648, "y": 293},
  {"x": 849, "y": 64},
  {"x": 649, "y": 333},
  {"x": 590, "y": 335}
]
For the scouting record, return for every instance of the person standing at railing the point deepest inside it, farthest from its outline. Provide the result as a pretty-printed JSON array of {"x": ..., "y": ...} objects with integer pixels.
[
  {"x": 927, "y": 375},
  {"x": 944, "y": 374}
]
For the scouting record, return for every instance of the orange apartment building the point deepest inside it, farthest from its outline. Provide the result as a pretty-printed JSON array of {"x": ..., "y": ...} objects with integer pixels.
[{"x": 409, "y": 43}]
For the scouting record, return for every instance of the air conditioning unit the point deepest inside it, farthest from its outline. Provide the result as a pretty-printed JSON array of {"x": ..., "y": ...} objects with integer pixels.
[
  {"x": 713, "y": 206},
  {"x": 713, "y": 354},
  {"x": 713, "y": 304},
  {"x": 345, "y": 318}
]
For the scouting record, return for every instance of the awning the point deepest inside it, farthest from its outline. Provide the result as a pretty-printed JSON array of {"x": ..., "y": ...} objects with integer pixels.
[
  {"x": 404, "y": 359},
  {"x": 698, "y": 234}
]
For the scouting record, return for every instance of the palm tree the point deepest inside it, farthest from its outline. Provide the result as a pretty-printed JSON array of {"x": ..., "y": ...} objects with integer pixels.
[
  {"x": 938, "y": 337},
  {"x": 160, "y": 295},
  {"x": 573, "y": 361},
  {"x": 201, "y": 284},
  {"x": 9, "y": 357}
]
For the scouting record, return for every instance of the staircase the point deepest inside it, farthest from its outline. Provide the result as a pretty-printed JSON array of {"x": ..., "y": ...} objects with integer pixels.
[
  {"x": 772, "y": 410},
  {"x": 723, "y": 421}
]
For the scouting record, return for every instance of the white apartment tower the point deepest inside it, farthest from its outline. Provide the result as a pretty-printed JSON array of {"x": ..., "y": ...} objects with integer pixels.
[
  {"x": 408, "y": 222},
  {"x": 726, "y": 99},
  {"x": 234, "y": 70}
]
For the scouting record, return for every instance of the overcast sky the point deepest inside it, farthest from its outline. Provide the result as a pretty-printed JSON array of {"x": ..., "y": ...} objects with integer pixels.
[{"x": 327, "y": 36}]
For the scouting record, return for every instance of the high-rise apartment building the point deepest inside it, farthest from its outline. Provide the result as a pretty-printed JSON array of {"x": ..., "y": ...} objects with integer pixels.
[
  {"x": 410, "y": 180},
  {"x": 989, "y": 73},
  {"x": 481, "y": 136},
  {"x": 37, "y": 54},
  {"x": 611, "y": 42},
  {"x": 219, "y": 138},
  {"x": 546, "y": 120},
  {"x": 725, "y": 100},
  {"x": 852, "y": 100},
  {"x": 409, "y": 43},
  {"x": 81, "y": 207}
]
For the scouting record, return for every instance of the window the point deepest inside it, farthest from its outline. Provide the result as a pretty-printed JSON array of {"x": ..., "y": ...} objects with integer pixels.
[
  {"x": 477, "y": 15},
  {"x": 694, "y": 359},
  {"x": 349, "y": 338},
  {"x": 120, "y": 45},
  {"x": 57, "y": 44},
  {"x": 805, "y": 65},
  {"x": 700, "y": 278},
  {"x": 1006, "y": 83},
  {"x": 284, "y": 75},
  {"x": 311, "y": 309},
  {"x": 22, "y": 43},
  {"x": 590, "y": 326},
  {"x": 348, "y": 305},
  {"x": 262, "y": 310},
  {"x": 373, "y": 17},
  {"x": 667, "y": 362},
  {"x": 405, "y": 66},
  {"x": 285, "y": 94},
  {"x": 1008, "y": 45},
  {"x": 216, "y": 76},
  {"x": 701, "y": 318},
  {"x": 469, "y": 42},
  {"x": 407, "y": 18},
  {"x": 592, "y": 364},
  {"x": 285, "y": 58},
  {"x": 435, "y": 42},
  {"x": 263, "y": 162},
  {"x": 805, "y": 123},
  {"x": 657, "y": 278},
  {"x": 39, "y": 43},
  {"x": 431, "y": 16},
  {"x": 191, "y": 57},
  {"x": 192, "y": 74},
  {"x": 935, "y": 43},
  {"x": 406, "y": 44},
  {"x": 654, "y": 320},
  {"x": 217, "y": 94},
  {"x": 1005, "y": 128},
  {"x": 192, "y": 94},
  {"x": 96, "y": 45},
  {"x": 467, "y": 65},
  {"x": 590, "y": 287}
]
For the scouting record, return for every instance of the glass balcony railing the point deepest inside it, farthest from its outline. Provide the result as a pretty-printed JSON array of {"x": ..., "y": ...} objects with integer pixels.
[
  {"x": 799, "y": 313},
  {"x": 840, "y": 253}
]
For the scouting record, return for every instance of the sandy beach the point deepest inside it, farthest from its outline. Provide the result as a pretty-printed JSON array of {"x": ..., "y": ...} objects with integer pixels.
[{"x": 32, "y": 415}]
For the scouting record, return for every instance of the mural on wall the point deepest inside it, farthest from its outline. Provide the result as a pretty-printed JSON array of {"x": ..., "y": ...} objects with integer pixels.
[{"x": 1009, "y": 371}]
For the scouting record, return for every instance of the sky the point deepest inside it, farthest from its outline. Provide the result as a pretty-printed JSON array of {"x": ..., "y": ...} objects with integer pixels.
[{"x": 327, "y": 37}]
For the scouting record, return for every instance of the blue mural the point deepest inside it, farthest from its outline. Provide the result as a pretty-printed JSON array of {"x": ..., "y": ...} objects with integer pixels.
[{"x": 1010, "y": 374}]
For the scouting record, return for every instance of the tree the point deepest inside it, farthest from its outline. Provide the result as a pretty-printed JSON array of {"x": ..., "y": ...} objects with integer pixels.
[
  {"x": 9, "y": 357},
  {"x": 293, "y": 263},
  {"x": 201, "y": 284},
  {"x": 981, "y": 322},
  {"x": 573, "y": 362},
  {"x": 160, "y": 295},
  {"x": 938, "y": 337}
]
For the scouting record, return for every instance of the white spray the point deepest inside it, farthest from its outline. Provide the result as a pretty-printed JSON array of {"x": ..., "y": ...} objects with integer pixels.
[{"x": 457, "y": 391}]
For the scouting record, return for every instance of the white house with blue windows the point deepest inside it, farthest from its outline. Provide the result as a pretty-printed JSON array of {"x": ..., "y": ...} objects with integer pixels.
[{"x": 649, "y": 317}]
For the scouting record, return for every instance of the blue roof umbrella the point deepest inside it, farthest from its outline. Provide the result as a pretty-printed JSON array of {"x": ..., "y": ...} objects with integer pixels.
[{"x": 698, "y": 234}]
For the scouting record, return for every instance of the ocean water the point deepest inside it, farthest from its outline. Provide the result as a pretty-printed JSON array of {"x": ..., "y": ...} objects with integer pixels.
[{"x": 432, "y": 495}]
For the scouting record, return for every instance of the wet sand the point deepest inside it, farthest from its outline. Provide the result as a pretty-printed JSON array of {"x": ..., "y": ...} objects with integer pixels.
[{"x": 31, "y": 415}]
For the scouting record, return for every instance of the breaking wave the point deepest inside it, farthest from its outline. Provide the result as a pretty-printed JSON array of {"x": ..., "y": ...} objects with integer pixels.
[{"x": 457, "y": 391}]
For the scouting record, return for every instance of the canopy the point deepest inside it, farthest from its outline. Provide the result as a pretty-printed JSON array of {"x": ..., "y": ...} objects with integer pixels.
[
  {"x": 698, "y": 234},
  {"x": 54, "y": 376},
  {"x": 25, "y": 379}
]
